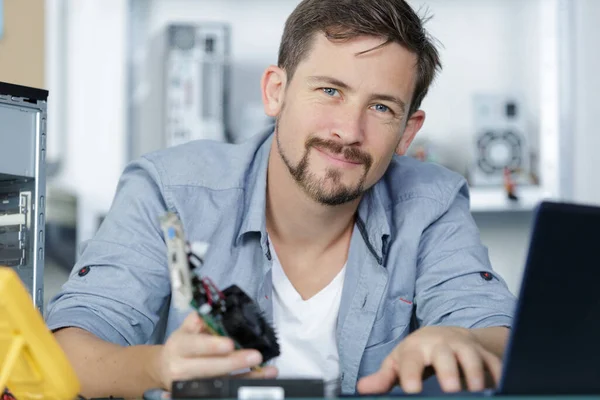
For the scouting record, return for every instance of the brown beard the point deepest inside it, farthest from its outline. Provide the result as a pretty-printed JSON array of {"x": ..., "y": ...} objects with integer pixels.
[{"x": 312, "y": 185}]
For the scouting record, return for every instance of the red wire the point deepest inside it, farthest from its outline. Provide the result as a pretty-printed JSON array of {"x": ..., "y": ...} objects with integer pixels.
[
  {"x": 207, "y": 290},
  {"x": 221, "y": 295}
]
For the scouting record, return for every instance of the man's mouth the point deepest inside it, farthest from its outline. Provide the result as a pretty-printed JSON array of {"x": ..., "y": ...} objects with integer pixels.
[{"x": 339, "y": 157}]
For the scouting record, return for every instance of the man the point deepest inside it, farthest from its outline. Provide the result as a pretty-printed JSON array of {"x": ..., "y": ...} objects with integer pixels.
[{"x": 367, "y": 262}]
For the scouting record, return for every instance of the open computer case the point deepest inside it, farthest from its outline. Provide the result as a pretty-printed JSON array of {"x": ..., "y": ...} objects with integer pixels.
[{"x": 22, "y": 184}]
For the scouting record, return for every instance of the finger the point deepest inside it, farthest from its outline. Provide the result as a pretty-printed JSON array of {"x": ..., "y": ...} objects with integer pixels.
[
  {"x": 493, "y": 364},
  {"x": 192, "y": 323},
  {"x": 446, "y": 368},
  {"x": 381, "y": 381},
  {"x": 471, "y": 363},
  {"x": 207, "y": 367},
  {"x": 267, "y": 372},
  {"x": 410, "y": 371},
  {"x": 202, "y": 344}
]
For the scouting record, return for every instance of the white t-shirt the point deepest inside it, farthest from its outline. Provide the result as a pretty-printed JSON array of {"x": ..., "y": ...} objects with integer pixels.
[{"x": 306, "y": 328}]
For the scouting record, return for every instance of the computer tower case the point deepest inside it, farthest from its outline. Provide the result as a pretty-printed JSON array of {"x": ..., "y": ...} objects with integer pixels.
[
  {"x": 23, "y": 184},
  {"x": 182, "y": 93},
  {"x": 502, "y": 141}
]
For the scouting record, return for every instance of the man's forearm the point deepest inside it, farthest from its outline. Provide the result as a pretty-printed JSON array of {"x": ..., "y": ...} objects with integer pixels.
[
  {"x": 493, "y": 339},
  {"x": 106, "y": 369}
]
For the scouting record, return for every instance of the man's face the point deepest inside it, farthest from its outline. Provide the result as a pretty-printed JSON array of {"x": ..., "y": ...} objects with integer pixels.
[{"x": 342, "y": 116}]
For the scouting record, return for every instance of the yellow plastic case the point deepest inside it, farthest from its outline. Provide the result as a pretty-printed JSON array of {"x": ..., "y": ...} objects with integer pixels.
[{"x": 32, "y": 364}]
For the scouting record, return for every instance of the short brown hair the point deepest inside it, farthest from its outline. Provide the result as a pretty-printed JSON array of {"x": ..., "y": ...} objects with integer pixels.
[{"x": 394, "y": 20}]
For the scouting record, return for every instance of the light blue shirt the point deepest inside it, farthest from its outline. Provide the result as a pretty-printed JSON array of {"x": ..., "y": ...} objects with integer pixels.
[{"x": 415, "y": 256}]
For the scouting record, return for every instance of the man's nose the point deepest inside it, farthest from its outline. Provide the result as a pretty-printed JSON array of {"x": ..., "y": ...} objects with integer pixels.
[{"x": 349, "y": 126}]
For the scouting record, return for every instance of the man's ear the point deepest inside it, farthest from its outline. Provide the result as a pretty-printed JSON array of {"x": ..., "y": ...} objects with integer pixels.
[
  {"x": 414, "y": 123},
  {"x": 272, "y": 85}
]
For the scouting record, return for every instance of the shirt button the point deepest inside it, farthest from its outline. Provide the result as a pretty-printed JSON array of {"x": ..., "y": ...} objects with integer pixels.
[
  {"x": 83, "y": 271},
  {"x": 486, "y": 275}
]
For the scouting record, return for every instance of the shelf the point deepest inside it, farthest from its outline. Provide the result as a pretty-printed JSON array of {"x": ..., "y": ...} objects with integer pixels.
[{"x": 494, "y": 199}]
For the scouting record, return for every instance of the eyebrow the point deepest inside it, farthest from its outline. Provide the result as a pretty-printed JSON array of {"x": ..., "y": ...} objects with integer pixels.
[
  {"x": 329, "y": 80},
  {"x": 342, "y": 85}
]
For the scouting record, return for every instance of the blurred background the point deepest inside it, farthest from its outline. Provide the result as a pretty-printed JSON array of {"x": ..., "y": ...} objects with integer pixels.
[{"x": 514, "y": 109}]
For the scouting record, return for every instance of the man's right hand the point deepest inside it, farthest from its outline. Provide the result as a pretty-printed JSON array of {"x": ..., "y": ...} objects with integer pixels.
[{"x": 190, "y": 352}]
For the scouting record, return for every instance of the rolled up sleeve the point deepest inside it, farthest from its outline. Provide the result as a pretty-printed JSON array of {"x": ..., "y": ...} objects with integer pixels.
[
  {"x": 121, "y": 282},
  {"x": 456, "y": 285}
]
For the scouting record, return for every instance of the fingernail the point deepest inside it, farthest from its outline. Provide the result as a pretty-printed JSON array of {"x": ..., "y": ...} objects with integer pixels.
[
  {"x": 254, "y": 358},
  {"x": 410, "y": 387},
  {"x": 270, "y": 373}
]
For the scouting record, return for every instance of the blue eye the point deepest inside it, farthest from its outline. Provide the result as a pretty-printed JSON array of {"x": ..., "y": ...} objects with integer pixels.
[
  {"x": 330, "y": 91},
  {"x": 381, "y": 108}
]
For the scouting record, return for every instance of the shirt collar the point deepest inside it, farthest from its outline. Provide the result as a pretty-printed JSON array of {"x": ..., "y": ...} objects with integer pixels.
[
  {"x": 255, "y": 198},
  {"x": 371, "y": 220}
]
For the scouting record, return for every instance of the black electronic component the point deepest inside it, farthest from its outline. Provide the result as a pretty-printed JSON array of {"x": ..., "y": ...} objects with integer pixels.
[
  {"x": 231, "y": 312},
  {"x": 234, "y": 388},
  {"x": 246, "y": 325}
]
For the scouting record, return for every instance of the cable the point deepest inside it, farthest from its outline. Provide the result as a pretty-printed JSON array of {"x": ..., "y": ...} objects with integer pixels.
[
  {"x": 212, "y": 284},
  {"x": 208, "y": 292}
]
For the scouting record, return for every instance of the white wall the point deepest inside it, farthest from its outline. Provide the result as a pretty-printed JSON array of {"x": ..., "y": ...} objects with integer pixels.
[
  {"x": 95, "y": 106},
  {"x": 54, "y": 76},
  {"x": 586, "y": 81}
]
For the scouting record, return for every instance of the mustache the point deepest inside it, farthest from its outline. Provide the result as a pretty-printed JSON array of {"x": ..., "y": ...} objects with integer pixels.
[{"x": 350, "y": 153}]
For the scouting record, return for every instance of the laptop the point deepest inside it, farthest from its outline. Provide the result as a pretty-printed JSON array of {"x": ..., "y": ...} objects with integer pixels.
[{"x": 554, "y": 347}]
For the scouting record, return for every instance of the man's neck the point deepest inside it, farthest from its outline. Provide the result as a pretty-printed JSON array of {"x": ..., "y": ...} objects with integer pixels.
[{"x": 295, "y": 219}]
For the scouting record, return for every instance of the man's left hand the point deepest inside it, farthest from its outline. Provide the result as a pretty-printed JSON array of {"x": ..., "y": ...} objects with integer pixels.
[{"x": 446, "y": 350}]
